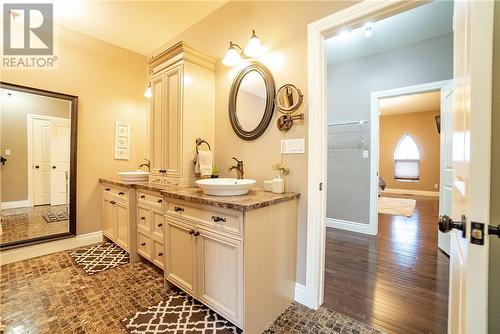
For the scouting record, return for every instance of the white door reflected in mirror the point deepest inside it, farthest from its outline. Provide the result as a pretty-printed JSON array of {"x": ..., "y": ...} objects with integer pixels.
[{"x": 251, "y": 101}]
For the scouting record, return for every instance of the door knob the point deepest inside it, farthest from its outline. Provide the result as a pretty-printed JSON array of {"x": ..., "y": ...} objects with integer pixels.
[{"x": 446, "y": 224}]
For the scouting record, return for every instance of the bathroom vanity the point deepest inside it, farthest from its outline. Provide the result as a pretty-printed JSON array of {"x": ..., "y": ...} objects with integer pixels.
[{"x": 235, "y": 254}]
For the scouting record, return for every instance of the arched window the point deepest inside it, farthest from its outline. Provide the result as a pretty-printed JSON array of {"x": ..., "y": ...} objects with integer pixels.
[{"x": 407, "y": 160}]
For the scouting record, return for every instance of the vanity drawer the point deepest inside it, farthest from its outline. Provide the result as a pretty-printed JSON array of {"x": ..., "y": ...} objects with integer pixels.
[
  {"x": 115, "y": 191},
  {"x": 157, "y": 255},
  {"x": 222, "y": 219},
  {"x": 151, "y": 199},
  {"x": 144, "y": 220},
  {"x": 144, "y": 245}
]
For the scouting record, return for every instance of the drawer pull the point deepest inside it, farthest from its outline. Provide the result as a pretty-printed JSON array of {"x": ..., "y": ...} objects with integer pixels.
[
  {"x": 143, "y": 244},
  {"x": 191, "y": 232},
  {"x": 160, "y": 254},
  {"x": 107, "y": 189},
  {"x": 121, "y": 193},
  {"x": 113, "y": 202},
  {"x": 143, "y": 196},
  {"x": 160, "y": 201},
  {"x": 143, "y": 218},
  {"x": 218, "y": 219},
  {"x": 196, "y": 233},
  {"x": 178, "y": 209},
  {"x": 160, "y": 225}
]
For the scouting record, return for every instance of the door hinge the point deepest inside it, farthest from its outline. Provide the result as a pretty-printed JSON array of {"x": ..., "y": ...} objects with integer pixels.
[
  {"x": 321, "y": 186},
  {"x": 477, "y": 232}
]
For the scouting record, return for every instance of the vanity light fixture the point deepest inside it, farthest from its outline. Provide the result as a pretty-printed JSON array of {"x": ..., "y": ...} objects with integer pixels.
[
  {"x": 148, "y": 93},
  {"x": 235, "y": 54}
]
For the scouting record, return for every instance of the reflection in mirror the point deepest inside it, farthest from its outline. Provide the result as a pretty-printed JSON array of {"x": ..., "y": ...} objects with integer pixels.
[
  {"x": 288, "y": 99},
  {"x": 35, "y": 146},
  {"x": 251, "y": 101}
]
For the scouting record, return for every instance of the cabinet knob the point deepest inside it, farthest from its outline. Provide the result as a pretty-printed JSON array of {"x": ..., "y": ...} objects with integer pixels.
[
  {"x": 37, "y": 166},
  {"x": 143, "y": 244},
  {"x": 108, "y": 189},
  {"x": 191, "y": 232},
  {"x": 160, "y": 225},
  {"x": 178, "y": 209},
  {"x": 143, "y": 218},
  {"x": 196, "y": 233},
  {"x": 160, "y": 201},
  {"x": 121, "y": 193},
  {"x": 160, "y": 254},
  {"x": 143, "y": 196},
  {"x": 218, "y": 219},
  {"x": 113, "y": 202},
  {"x": 53, "y": 167}
]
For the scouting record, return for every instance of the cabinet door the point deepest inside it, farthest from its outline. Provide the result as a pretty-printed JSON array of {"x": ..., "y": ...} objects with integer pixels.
[
  {"x": 109, "y": 218},
  {"x": 158, "y": 219},
  {"x": 179, "y": 262},
  {"x": 122, "y": 225},
  {"x": 220, "y": 270},
  {"x": 157, "y": 255},
  {"x": 173, "y": 109},
  {"x": 157, "y": 123}
]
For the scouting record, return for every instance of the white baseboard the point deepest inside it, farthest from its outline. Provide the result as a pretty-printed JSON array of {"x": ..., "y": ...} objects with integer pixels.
[
  {"x": 349, "y": 226},
  {"x": 15, "y": 204},
  {"x": 411, "y": 192},
  {"x": 49, "y": 247},
  {"x": 300, "y": 293}
]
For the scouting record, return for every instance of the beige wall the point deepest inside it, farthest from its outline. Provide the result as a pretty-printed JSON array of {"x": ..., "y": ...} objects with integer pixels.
[
  {"x": 421, "y": 127},
  {"x": 494, "y": 279},
  {"x": 109, "y": 82},
  {"x": 14, "y": 136},
  {"x": 283, "y": 29}
]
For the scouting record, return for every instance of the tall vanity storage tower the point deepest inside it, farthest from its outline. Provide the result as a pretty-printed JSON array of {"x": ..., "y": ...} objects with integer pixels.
[{"x": 182, "y": 108}]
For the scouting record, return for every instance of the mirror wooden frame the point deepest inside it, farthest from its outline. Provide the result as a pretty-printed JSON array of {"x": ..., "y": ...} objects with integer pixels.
[
  {"x": 269, "y": 110},
  {"x": 73, "y": 161}
]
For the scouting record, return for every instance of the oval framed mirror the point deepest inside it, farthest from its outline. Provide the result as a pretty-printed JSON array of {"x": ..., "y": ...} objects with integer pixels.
[
  {"x": 251, "y": 101},
  {"x": 288, "y": 99}
]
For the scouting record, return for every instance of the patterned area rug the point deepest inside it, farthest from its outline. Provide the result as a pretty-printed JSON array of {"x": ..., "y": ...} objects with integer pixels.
[
  {"x": 179, "y": 313},
  {"x": 55, "y": 217},
  {"x": 396, "y": 206},
  {"x": 100, "y": 257}
]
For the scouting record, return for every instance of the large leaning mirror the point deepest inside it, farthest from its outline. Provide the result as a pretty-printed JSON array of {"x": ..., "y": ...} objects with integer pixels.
[
  {"x": 251, "y": 101},
  {"x": 38, "y": 165}
]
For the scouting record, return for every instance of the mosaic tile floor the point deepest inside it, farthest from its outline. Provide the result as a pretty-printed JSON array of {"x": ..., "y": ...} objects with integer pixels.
[
  {"x": 27, "y": 223},
  {"x": 51, "y": 294}
]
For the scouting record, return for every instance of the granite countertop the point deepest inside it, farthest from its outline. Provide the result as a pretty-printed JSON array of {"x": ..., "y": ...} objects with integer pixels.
[{"x": 256, "y": 197}]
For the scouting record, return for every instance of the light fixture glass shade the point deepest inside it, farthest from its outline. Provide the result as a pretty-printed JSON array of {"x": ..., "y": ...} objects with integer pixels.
[
  {"x": 148, "y": 93},
  {"x": 232, "y": 57},
  {"x": 254, "y": 47}
]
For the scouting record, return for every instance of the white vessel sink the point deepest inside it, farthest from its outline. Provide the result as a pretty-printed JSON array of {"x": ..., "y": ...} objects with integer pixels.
[
  {"x": 137, "y": 176},
  {"x": 225, "y": 187}
]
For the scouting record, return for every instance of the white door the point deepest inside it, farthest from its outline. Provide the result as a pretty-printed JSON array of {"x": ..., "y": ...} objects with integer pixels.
[
  {"x": 473, "y": 39},
  {"x": 60, "y": 160},
  {"x": 40, "y": 138},
  {"x": 446, "y": 163}
]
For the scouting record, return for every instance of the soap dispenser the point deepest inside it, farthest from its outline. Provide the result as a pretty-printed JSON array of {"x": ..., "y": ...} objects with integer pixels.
[{"x": 278, "y": 183}]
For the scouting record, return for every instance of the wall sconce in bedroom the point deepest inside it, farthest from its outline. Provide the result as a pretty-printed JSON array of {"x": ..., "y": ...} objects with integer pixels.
[
  {"x": 148, "y": 93},
  {"x": 235, "y": 54}
]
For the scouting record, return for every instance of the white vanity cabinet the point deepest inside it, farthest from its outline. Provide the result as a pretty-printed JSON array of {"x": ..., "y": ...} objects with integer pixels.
[
  {"x": 118, "y": 208},
  {"x": 150, "y": 222},
  {"x": 182, "y": 108},
  {"x": 240, "y": 264}
]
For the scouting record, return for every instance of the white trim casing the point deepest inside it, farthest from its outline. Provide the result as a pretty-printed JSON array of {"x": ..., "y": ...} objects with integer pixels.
[
  {"x": 300, "y": 293},
  {"x": 316, "y": 69},
  {"x": 15, "y": 204},
  {"x": 49, "y": 247},
  {"x": 411, "y": 192}
]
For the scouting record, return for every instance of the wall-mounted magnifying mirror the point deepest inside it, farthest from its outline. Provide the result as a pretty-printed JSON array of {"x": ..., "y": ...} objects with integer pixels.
[
  {"x": 288, "y": 99},
  {"x": 251, "y": 101}
]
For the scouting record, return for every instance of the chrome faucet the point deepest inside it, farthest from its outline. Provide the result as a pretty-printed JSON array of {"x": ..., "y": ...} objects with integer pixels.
[
  {"x": 238, "y": 167},
  {"x": 146, "y": 164}
]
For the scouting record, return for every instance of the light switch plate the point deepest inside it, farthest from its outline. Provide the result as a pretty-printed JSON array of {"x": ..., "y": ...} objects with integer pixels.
[{"x": 293, "y": 146}]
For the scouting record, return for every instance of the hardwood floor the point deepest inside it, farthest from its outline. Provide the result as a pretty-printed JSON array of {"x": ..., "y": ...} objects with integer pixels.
[{"x": 397, "y": 281}]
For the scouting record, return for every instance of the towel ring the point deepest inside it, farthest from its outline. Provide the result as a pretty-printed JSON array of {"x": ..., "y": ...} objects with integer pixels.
[{"x": 199, "y": 142}]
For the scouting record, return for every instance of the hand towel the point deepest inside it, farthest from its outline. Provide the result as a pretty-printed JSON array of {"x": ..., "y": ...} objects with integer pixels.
[{"x": 205, "y": 163}]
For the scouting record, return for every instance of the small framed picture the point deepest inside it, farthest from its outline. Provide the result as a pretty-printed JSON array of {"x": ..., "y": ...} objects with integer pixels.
[{"x": 122, "y": 141}]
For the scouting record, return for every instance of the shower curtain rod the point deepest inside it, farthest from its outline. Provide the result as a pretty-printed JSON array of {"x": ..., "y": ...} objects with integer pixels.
[{"x": 360, "y": 122}]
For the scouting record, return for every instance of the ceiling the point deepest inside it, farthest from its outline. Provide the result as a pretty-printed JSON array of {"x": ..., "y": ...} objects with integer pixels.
[
  {"x": 430, "y": 20},
  {"x": 140, "y": 26},
  {"x": 410, "y": 103}
]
